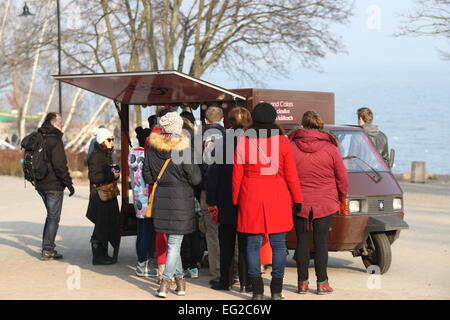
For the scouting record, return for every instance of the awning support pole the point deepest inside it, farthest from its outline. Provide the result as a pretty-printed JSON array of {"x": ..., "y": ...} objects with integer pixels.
[
  {"x": 124, "y": 115},
  {"x": 124, "y": 125}
]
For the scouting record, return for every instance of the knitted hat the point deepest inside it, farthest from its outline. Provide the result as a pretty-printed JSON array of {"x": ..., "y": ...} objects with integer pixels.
[
  {"x": 264, "y": 113},
  {"x": 103, "y": 134},
  {"x": 171, "y": 123}
]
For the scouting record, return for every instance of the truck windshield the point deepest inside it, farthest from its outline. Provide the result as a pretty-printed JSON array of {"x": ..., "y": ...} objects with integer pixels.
[{"x": 356, "y": 150}]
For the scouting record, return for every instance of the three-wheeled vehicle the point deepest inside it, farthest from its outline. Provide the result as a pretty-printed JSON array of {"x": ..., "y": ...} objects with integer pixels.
[{"x": 373, "y": 217}]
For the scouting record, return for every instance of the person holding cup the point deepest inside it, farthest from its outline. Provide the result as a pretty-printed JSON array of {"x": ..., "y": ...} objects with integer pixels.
[{"x": 104, "y": 213}]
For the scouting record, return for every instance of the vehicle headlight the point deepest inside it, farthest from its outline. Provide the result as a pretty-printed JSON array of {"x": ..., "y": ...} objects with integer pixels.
[
  {"x": 398, "y": 204},
  {"x": 354, "y": 206}
]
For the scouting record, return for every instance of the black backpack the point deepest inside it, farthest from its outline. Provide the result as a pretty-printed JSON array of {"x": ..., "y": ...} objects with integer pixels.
[{"x": 34, "y": 163}]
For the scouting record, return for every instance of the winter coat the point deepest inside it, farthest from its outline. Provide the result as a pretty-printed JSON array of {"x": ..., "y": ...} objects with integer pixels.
[
  {"x": 58, "y": 177},
  {"x": 378, "y": 139},
  {"x": 173, "y": 207},
  {"x": 322, "y": 173},
  {"x": 219, "y": 186},
  {"x": 212, "y": 133},
  {"x": 99, "y": 164},
  {"x": 140, "y": 188},
  {"x": 104, "y": 214},
  {"x": 264, "y": 194}
]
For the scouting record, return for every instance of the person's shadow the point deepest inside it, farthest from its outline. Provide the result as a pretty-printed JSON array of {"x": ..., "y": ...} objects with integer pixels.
[{"x": 73, "y": 243}]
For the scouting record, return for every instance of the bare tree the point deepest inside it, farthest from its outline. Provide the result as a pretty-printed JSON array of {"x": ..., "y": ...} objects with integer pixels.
[
  {"x": 22, "y": 50},
  {"x": 430, "y": 18},
  {"x": 246, "y": 38},
  {"x": 24, "y": 110},
  {"x": 193, "y": 36}
]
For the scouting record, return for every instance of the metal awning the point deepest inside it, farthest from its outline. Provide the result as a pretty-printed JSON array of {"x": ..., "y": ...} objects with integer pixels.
[{"x": 150, "y": 87}]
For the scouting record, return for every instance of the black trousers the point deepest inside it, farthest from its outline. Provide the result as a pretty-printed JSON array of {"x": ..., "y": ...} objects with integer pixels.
[
  {"x": 318, "y": 234},
  {"x": 227, "y": 243},
  {"x": 192, "y": 249}
]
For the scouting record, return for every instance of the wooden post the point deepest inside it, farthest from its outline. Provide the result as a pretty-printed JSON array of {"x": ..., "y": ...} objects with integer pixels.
[
  {"x": 125, "y": 127},
  {"x": 418, "y": 172}
]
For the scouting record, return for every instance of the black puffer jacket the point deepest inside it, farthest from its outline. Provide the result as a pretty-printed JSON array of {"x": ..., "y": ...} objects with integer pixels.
[
  {"x": 58, "y": 177},
  {"x": 173, "y": 207}
]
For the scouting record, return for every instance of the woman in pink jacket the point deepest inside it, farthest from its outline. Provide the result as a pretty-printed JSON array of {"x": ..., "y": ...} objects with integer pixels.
[{"x": 323, "y": 178}]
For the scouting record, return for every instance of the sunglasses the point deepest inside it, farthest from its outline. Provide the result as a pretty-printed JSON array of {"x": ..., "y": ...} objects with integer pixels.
[{"x": 110, "y": 139}]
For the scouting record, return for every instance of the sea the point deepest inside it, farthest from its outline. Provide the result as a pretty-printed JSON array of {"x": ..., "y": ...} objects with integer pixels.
[{"x": 411, "y": 105}]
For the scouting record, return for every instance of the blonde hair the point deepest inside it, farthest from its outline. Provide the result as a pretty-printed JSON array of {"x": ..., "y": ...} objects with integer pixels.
[{"x": 214, "y": 114}]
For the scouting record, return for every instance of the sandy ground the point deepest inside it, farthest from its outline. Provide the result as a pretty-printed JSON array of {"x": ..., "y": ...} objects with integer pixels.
[{"x": 419, "y": 270}]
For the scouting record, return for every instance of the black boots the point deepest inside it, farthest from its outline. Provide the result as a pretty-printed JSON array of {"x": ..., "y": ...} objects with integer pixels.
[
  {"x": 276, "y": 286},
  {"x": 100, "y": 254},
  {"x": 258, "y": 288}
]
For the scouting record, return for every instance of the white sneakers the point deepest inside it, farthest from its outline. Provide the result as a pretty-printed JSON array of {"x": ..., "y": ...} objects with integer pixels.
[
  {"x": 191, "y": 273},
  {"x": 144, "y": 269}
]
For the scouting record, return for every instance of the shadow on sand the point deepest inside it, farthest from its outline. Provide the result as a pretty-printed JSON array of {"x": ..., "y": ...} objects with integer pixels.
[{"x": 74, "y": 244}]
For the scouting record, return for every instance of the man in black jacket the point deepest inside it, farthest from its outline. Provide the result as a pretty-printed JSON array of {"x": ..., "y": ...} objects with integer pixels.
[
  {"x": 51, "y": 188},
  {"x": 378, "y": 138}
]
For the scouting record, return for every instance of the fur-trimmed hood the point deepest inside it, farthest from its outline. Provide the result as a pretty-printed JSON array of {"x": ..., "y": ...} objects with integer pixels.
[{"x": 166, "y": 142}]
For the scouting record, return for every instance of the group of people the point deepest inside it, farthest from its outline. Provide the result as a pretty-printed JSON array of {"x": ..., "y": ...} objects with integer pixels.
[{"x": 252, "y": 183}]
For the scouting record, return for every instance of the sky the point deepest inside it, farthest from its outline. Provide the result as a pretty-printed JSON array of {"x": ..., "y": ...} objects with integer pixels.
[
  {"x": 402, "y": 79},
  {"x": 370, "y": 44}
]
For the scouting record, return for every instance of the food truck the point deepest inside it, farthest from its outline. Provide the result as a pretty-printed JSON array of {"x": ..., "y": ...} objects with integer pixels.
[{"x": 368, "y": 223}]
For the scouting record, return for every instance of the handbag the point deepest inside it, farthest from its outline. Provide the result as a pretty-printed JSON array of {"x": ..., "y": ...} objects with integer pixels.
[
  {"x": 108, "y": 191},
  {"x": 149, "y": 211}
]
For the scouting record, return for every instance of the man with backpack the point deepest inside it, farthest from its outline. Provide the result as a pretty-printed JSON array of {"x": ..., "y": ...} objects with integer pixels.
[{"x": 50, "y": 176}]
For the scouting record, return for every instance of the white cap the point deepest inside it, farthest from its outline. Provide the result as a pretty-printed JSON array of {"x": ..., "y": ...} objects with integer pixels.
[
  {"x": 94, "y": 132},
  {"x": 102, "y": 134}
]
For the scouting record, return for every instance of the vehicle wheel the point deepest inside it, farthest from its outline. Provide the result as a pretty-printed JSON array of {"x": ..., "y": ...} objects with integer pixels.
[{"x": 380, "y": 253}]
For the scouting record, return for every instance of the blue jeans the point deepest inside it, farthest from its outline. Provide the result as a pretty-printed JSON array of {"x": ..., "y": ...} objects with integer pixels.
[
  {"x": 278, "y": 244},
  {"x": 144, "y": 238},
  {"x": 174, "y": 267},
  {"x": 53, "y": 203}
]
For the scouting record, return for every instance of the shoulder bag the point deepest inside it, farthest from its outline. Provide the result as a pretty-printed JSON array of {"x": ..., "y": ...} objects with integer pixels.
[
  {"x": 149, "y": 211},
  {"x": 107, "y": 191}
]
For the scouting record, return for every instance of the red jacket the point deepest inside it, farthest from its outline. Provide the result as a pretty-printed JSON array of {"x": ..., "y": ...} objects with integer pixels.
[
  {"x": 147, "y": 141},
  {"x": 263, "y": 193},
  {"x": 322, "y": 172}
]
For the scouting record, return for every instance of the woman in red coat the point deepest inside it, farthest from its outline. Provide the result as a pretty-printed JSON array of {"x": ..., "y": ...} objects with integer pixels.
[
  {"x": 265, "y": 186},
  {"x": 324, "y": 185}
]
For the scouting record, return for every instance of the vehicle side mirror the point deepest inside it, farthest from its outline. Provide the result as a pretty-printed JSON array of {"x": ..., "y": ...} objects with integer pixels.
[{"x": 391, "y": 158}]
